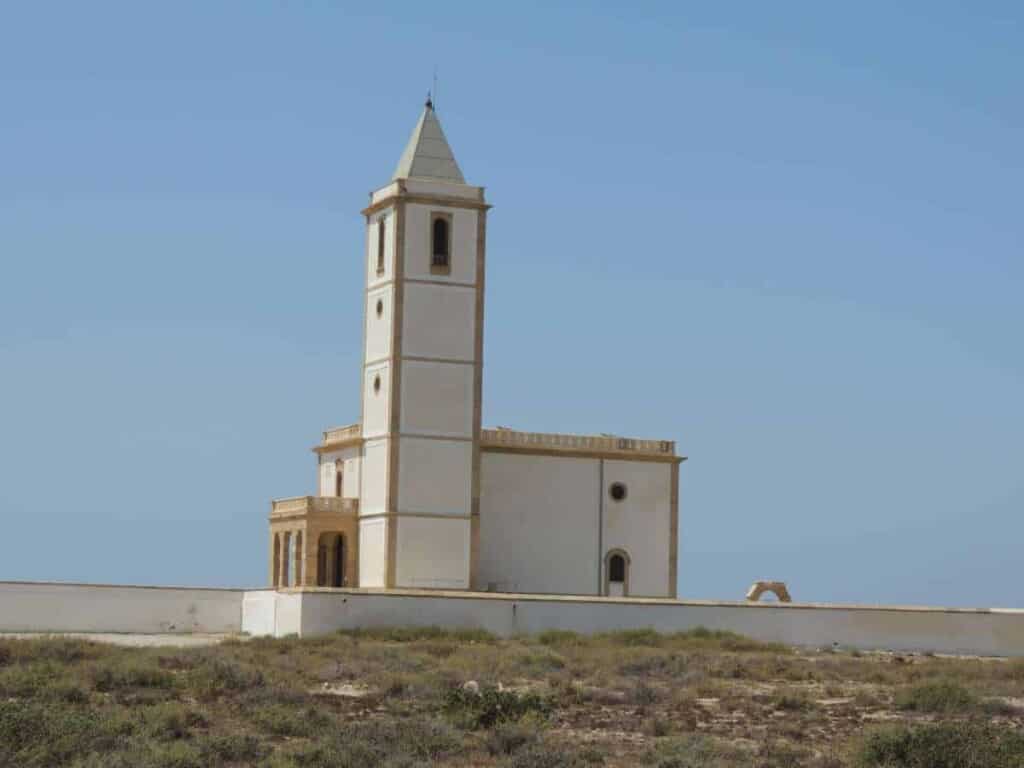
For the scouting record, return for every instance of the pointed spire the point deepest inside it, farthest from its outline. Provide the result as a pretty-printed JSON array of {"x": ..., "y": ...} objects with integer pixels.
[{"x": 427, "y": 155}]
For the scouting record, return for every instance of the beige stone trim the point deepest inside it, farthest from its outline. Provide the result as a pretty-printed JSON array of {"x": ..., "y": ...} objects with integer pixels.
[
  {"x": 445, "y": 200},
  {"x": 328, "y": 447},
  {"x": 581, "y": 454},
  {"x": 425, "y": 281},
  {"x": 395, "y": 416},
  {"x": 478, "y": 383},
  {"x": 403, "y": 513},
  {"x": 673, "y": 535},
  {"x": 422, "y": 359}
]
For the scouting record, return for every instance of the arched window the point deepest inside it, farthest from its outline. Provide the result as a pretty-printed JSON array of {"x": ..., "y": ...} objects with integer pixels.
[
  {"x": 617, "y": 569},
  {"x": 339, "y": 476},
  {"x": 380, "y": 245},
  {"x": 440, "y": 242},
  {"x": 277, "y": 560}
]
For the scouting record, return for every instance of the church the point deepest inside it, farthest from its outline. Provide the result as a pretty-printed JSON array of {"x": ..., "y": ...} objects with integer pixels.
[{"x": 418, "y": 494}]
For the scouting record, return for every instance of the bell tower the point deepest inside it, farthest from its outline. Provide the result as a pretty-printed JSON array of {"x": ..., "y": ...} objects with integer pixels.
[{"x": 419, "y": 515}]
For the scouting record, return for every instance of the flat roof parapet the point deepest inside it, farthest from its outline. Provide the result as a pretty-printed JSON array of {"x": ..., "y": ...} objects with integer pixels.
[{"x": 506, "y": 440}]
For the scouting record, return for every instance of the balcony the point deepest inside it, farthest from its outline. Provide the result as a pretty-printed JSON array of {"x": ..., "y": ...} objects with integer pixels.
[
  {"x": 313, "y": 506},
  {"x": 340, "y": 437}
]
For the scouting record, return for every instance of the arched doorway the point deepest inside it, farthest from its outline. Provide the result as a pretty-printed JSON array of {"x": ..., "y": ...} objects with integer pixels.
[
  {"x": 616, "y": 570},
  {"x": 339, "y": 562},
  {"x": 331, "y": 560}
]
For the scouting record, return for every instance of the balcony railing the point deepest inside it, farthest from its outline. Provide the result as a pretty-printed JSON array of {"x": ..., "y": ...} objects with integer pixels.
[
  {"x": 342, "y": 434},
  {"x": 554, "y": 441},
  {"x": 313, "y": 505},
  {"x": 512, "y": 438}
]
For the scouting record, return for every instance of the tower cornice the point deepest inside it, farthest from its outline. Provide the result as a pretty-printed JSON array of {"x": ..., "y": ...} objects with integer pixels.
[{"x": 397, "y": 192}]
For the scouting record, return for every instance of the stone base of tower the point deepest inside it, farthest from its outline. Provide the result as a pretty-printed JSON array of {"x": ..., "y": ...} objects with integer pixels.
[{"x": 432, "y": 552}]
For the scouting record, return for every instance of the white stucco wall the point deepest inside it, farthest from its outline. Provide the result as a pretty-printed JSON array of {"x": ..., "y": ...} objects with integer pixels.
[
  {"x": 351, "y": 460},
  {"x": 373, "y": 495},
  {"x": 375, "y": 400},
  {"x": 640, "y": 524},
  {"x": 373, "y": 552},
  {"x": 433, "y": 553},
  {"x": 378, "y": 329},
  {"x": 547, "y": 523},
  {"x": 437, "y": 398},
  {"x": 55, "y": 607},
  {"x": 418, "y": 243},
  {"x": 985, "y": 632},
  {"x": 439, "y": 321},
  {"x": 539, "y": 523},
  {"x": 435, "y": 476}
]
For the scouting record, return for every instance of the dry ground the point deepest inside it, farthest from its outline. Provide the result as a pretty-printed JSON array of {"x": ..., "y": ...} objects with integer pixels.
[{"x": 398, "y": 698}]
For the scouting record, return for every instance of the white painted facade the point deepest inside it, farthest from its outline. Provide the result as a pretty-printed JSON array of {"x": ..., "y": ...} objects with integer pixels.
[
  {"x": 438, "y": 506},
  {"x": 568, "y": 499}
]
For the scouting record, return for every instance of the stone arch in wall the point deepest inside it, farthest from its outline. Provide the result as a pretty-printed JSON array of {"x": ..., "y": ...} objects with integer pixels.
[
  {"x": 332, "y": 560},
  {"x": 616, "y": 573},
  {"x": 777, "y": 588}
]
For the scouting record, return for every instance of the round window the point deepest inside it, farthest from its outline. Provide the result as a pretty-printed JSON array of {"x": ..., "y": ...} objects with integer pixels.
[
  {"x": 380, "y": 307},
  {"x": 376, "y": 384},
  {"x": 617, "y": 491}
]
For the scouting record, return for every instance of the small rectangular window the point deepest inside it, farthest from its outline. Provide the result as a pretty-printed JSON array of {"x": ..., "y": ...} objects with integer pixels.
[
  {"x": 440, "y": 243},
  {"x": 381, "y": 239}
]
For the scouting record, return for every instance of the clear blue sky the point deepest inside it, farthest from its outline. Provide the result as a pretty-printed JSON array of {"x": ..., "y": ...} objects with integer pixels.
[{"x": 788, "y": 236}]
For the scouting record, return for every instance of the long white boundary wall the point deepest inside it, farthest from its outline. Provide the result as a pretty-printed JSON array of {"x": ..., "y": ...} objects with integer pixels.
[
  {"x": 56, "y": 607},
  {"x": 988, "y": 632}
]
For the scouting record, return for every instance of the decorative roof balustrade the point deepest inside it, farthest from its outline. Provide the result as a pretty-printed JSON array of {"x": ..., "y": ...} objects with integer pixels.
[
  {"x": 596, "y": 443},
  {"x": 313, "y": 505}
]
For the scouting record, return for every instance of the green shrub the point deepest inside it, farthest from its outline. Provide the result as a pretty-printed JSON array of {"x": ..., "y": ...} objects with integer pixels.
[
  {"x": 791, "y": 701},
  {"x": 696, "y": 751},
  {"x": 63, "y": 650},
  {"x": 645, "y": 695},
  {"x": 230, "y": 748},
  {"x": 414, "y": 634},
  {"x": 120, "y": 673},
  {"x": 562, "y": 638},
  {"x": 491, "y": 706},
  {"x": 966, "y": 744},
  {"x": 936, "y": 696},
  {"x": 376, "y": 743},
  {"x": 286, "y": 719},
  {"x": 507, "y": 738},
  {"x": 633, "y": 637},
  {"x": 37, "y": 680},
  {"x": 170, "y": 720},
  {"x": 36, "y": 734},
  {"x": 1015, "y": 670},
  {"x": 215, "y": 676},
  {"x": 540, "y": 755}
]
